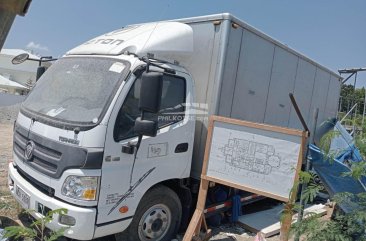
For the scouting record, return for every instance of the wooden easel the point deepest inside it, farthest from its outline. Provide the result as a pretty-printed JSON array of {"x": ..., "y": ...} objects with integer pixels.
[{"x": 198, "y": 221}]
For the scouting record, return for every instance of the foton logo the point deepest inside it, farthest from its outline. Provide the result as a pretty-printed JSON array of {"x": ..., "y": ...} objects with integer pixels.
[
  {"x": 68, "y": 140},
  {"x": 28, "y": 153},
  {"x": 109, "y": 41}
]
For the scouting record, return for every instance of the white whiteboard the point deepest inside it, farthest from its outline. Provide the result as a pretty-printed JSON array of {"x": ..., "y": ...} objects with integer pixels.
[{"x": 262, "y": 161}]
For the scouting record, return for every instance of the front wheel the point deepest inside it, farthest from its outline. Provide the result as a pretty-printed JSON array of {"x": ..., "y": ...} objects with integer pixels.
[{"x": 157, "y": 217}]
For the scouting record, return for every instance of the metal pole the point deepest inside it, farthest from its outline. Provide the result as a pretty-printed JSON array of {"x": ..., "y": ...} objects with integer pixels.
[
  {"x": 344, "y": 117},
  {"x": 307, "y": 168},
  {"x": 355, "y": 115},
  {"x": 354, "y": 122},
  {"x": 353, "y": 95},
  {"x": 363, "y": 113}
]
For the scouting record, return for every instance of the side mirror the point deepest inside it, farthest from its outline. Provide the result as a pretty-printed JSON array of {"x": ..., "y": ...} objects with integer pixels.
[
  {"x": 150, "y": 91},
  {"x": 146, "y": 127},
  {"x": 20, "y": 58}
]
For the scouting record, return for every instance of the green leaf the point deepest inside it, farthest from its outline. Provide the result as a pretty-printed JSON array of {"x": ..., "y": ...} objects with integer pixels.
[
  {"x": 311, "y": 192},
  {"x": 17, "y": 232},
  {"x": 56, "y": 234}
]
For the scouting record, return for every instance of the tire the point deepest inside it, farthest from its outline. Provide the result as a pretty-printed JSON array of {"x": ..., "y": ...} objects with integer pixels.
[{"x": 157, "y": 217}]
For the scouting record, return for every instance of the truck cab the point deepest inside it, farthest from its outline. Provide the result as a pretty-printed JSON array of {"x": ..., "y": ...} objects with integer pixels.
[{"x": 75, "y": 138}]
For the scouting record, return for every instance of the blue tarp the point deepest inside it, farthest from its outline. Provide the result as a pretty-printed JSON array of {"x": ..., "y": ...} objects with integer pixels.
[{"x": 331, "y": 172}]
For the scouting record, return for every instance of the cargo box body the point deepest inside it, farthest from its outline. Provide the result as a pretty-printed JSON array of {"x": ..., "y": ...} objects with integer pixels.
[{"x": 240, "y": 72}]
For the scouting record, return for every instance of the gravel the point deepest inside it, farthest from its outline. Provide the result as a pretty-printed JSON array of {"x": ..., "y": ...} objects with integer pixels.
[{"x": 8, "y": 114}]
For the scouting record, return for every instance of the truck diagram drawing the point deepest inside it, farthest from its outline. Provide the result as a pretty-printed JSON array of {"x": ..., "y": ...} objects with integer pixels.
[{"x": 251, "y": 156}]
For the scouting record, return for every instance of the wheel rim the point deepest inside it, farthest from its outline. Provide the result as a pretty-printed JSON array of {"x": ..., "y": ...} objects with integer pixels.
[{"x": 154, "y": 223}]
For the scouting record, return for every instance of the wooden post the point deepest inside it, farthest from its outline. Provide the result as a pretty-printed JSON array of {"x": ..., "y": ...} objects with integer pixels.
[
  {"x": 288, "y": 210},
  {"x": 286, "y": 222},
  {"x": 198, "y": 218}
]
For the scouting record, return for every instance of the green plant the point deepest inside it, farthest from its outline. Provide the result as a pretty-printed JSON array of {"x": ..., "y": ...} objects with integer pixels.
[
  {"x": 343, "y": 226},
  {"x": 37, "y": 229}
]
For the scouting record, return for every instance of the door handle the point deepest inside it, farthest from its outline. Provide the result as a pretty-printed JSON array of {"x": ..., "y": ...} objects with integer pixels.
[
  {"x": 182, "y": 147},
  {"x": 128, "y": 149}
]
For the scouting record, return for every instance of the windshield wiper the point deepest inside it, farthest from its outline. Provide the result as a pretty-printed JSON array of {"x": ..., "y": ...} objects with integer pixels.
[{"x": 148, "y": 62}]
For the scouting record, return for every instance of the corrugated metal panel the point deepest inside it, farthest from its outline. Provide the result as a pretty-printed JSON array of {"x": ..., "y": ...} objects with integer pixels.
[
  {"x": 303, "y": 91},
  {"x": 282, "y": 83},
  {"x": 256, "y": 57},
  {"x": 230, "y": 72},
  {"x": 320, "y": 92}
]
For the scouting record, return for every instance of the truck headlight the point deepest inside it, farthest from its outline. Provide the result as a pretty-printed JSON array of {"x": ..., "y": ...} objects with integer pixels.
[{"x": 82, "y": 188}]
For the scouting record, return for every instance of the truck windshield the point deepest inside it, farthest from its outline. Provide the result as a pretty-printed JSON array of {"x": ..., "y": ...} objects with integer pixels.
[{"x": 76, "y": 89}]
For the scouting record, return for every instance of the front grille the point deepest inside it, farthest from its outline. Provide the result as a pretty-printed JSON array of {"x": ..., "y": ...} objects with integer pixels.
[
  {"x": 51, "y": 157},
  {"x": 46, "y": 165},
  {"x": 49, "y": 151},
  {"x": 44, "y": 157},
  {"x": 49, "y": 191}
]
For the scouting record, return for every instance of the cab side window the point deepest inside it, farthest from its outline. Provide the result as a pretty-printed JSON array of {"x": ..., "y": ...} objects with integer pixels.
[{"x": 171, "y": 110}]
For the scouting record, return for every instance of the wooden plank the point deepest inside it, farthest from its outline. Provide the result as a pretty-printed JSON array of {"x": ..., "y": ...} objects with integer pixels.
[
  {"x": 194, "y": 223},
  {"x": 301, "y": 158},
  {"x": 288, "y": 210},
  {"x": 202, "y": 194},
  {"x": 266, "y": 127},
  {"x": 245, "y": 188},
  {"x": 208, "y": 145},
  {"x": 268, "y": 221}
]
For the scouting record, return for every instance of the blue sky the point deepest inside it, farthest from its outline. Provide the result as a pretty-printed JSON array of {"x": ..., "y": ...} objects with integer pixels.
[{"x": 332, "y": 32}]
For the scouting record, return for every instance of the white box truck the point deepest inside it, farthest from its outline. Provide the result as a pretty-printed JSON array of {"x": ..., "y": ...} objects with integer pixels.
[{"x": 76, "y": 139}]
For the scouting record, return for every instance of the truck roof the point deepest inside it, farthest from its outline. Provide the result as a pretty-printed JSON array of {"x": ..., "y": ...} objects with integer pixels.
[{"x": 141, "y": 39}]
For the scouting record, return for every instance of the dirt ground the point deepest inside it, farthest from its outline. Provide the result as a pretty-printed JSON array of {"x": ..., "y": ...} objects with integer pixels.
[{"x": 10, "y": 208}]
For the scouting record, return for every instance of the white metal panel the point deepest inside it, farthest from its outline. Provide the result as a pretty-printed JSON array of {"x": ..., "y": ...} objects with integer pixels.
[
  {"x": 281, "y": 84},
  {"x": 230, "y": 72},
  {"x": 211, "y": 100},
  {"x": 304, "y": 85},
  {"x": 204, "y": 37},
  {"x": 256, "y": 57},
  {"x": 320, "y": 91},
  {"x": 331, "y": 107}
]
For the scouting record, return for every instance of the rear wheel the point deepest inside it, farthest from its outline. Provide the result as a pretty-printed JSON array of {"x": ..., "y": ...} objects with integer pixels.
[{"x": 157, "y": 217}]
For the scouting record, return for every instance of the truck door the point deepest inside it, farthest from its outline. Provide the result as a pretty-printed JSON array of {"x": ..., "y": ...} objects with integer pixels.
[{"x": 157, "y": 158}]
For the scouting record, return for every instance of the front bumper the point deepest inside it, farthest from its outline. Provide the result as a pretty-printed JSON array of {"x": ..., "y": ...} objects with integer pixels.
[{"x": 85, "y": 217}]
